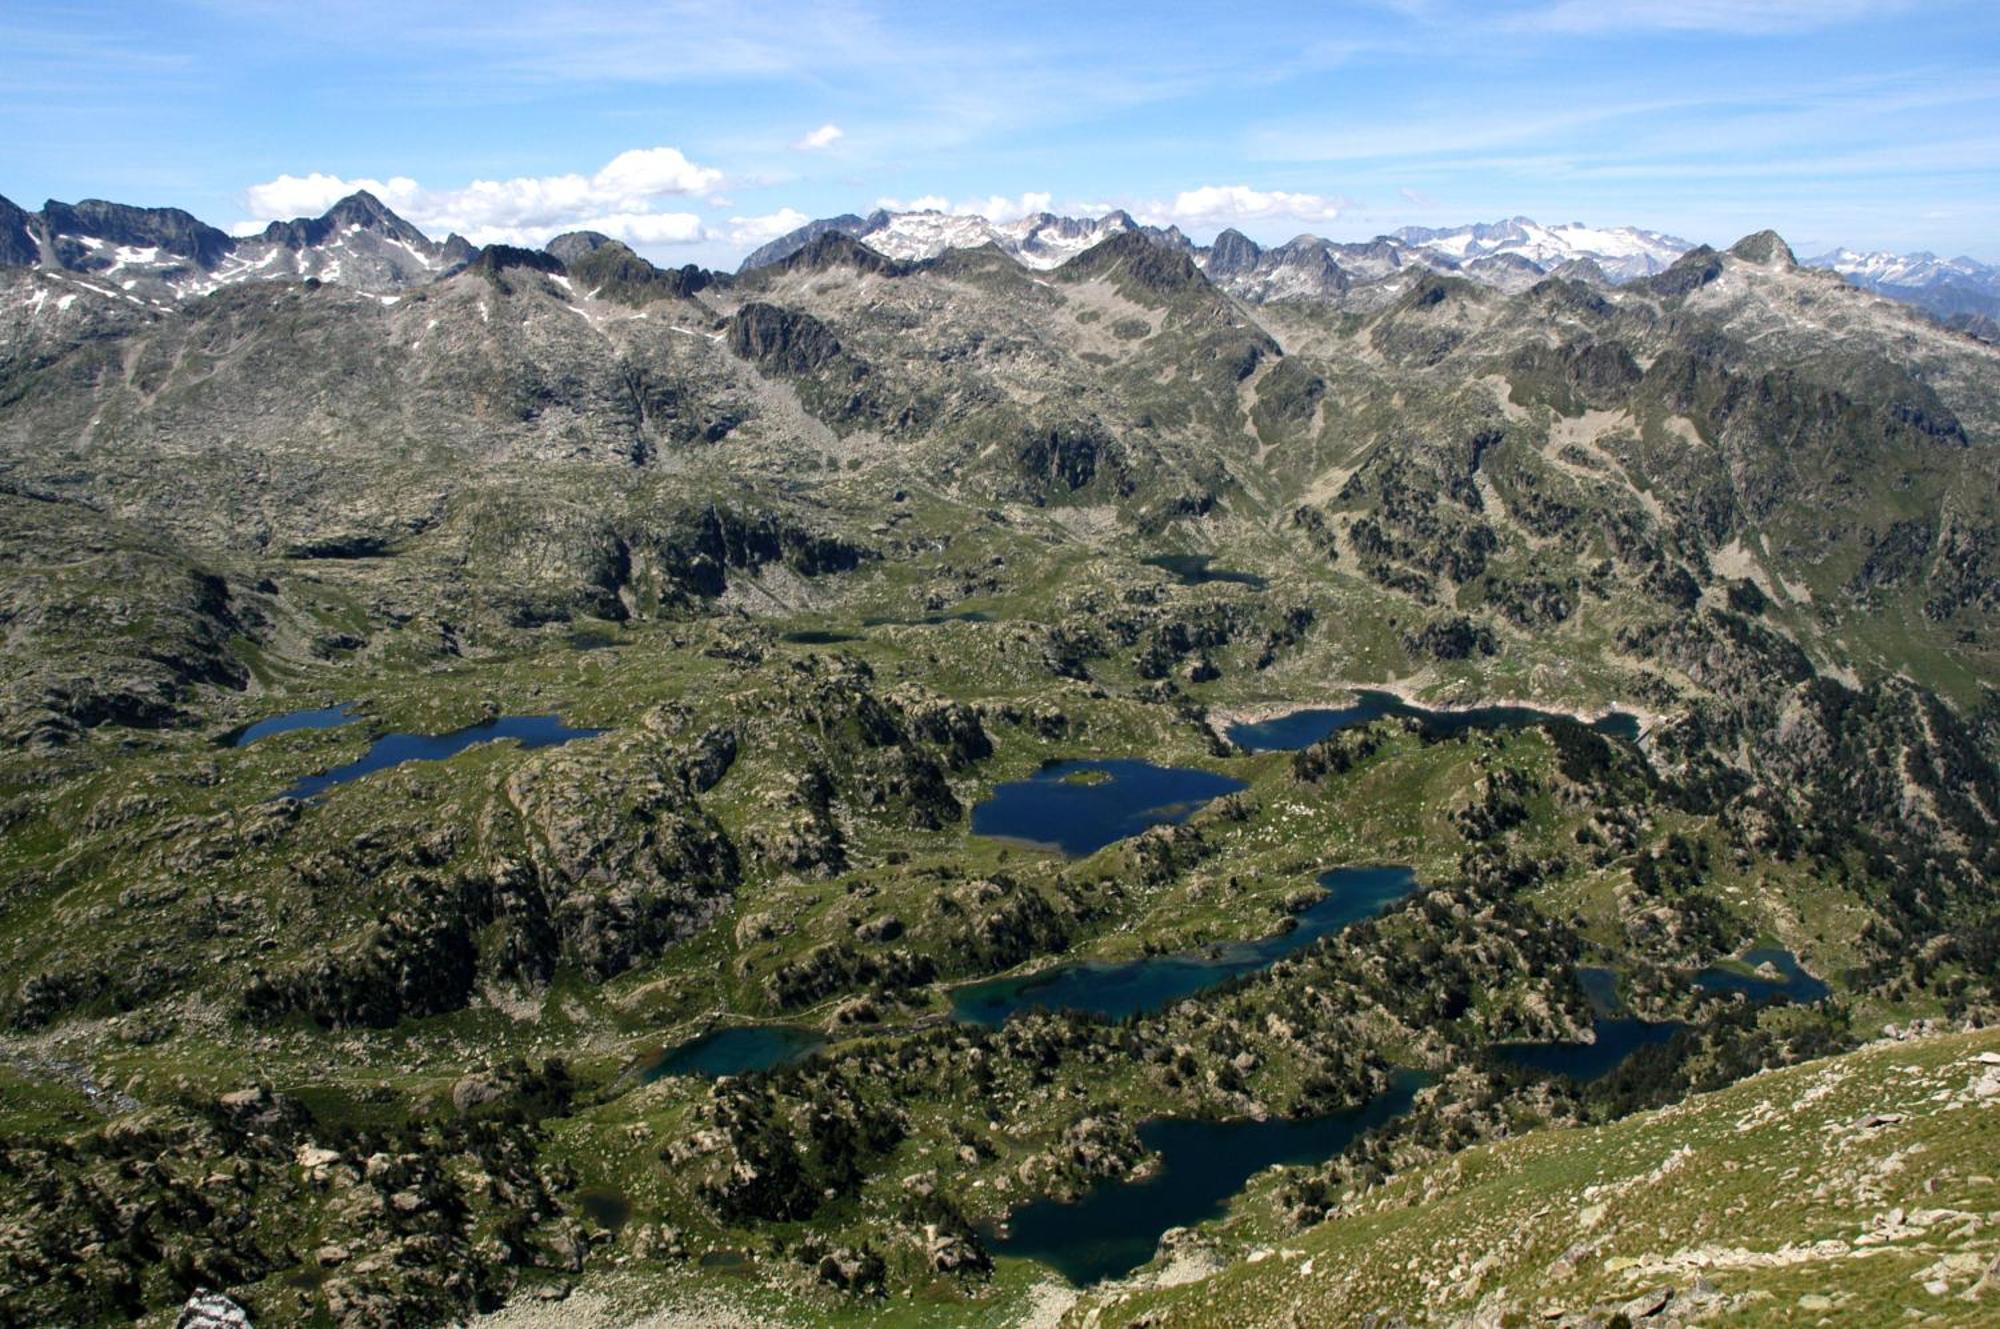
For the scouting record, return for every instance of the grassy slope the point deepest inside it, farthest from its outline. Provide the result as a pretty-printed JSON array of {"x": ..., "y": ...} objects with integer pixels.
[{"x": 1775, "y": 1189}]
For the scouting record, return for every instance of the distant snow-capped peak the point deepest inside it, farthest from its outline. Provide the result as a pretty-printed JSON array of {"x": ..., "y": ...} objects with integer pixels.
[
  {"x": 1885, "y": 268},
  {"x": 1624, "y": 253},
  {"x": 1040, "y": 240},
  {"x": 1509, "y": 252}
]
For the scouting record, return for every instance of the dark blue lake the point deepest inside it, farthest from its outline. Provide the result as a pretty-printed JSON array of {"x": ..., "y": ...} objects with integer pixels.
[
  {"x": 1115, "y": 1228},
  {"x": 530, "y": 731},
  {"x": 1139, "y": 986},
  {"x": 737, "y": 1050},
  {"x": 1619, "y": 1035},
  {"x": 1792, "y": 983},
  {"x": 1081, "y": 806},
  {"x": 1304, "y": 728},
  {"x": 324, "y": 717},
  {"x": 1196, "y": 570}
]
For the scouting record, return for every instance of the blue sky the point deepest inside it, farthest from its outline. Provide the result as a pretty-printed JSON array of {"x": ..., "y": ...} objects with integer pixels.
[{"x": 697, "y": 129}]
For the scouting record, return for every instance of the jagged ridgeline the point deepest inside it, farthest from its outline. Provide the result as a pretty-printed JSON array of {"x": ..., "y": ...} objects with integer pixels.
[{"x": 454, "y": 697}]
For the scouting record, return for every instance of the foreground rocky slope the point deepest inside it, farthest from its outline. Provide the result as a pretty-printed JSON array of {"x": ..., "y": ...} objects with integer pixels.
[{"x": 1853, "y": 1189}]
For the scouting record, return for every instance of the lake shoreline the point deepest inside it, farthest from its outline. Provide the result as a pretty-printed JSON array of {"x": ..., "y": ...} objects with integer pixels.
[{"x": 1223, "y": 718}]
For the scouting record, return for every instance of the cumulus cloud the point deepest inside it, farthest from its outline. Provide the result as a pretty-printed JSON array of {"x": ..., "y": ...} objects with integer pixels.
[
  {"x": 1226, "y": 205},
  {"x": 621, "y": 199},
  {"x": 291, "y": 196},
  {"x": 921, "y": 203},
  {"x": 640, "y": 229},
  {"x": 994, "y": 208},
  {"x": 643, "y": 173},
  {"x": 753, "y": 231},
  {"x": 823, "y": 137},
  {"x": 998, "y": 209}
]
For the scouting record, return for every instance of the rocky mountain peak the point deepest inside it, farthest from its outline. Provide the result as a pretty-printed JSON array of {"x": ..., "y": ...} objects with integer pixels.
[
  {"x": 833, "y": 249},
  {"x": 1692, "y": 270},
  {"x": 1136, "y": 257},
  {"x": 17, "y": 242},
  {"x": 457, "y": 250},
  {"x": 1766, "y": 247},
  {"x": 358, "y": 211},
  {"x": 1233, "y": 252},
  {"x": 573, "y": 245},
  {"x": 782, "y": 248}
]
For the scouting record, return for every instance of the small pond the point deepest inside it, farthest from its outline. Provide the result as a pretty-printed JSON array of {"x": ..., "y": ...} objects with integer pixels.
[
  {"x": 530, "y": 731},
  {"x": 1116, "y": 990},
  {"x": 1081, "y": 806},
  {"x": 1116, "y": 1226},
  {"x": 1793, "y": 983},
  {"x": 323, "y": 717},
  {"x": 737, "y": 1050},
  {"x": 1196, "y": 570},
  {"x": 1304, "y": 728},
  {"x": 606, "y": 1207},
  {"x": 818, "y": 637}
]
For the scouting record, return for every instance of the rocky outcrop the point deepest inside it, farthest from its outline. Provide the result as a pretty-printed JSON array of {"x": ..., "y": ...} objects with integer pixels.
[
  {"x": 18, "y": 247},
  {"x": 626, "y": 862},
  {"x": 496, "y": 259},
  {"x": 1066, "y": 458},
  {"x": 212, "y": 1310},
  {"x": 1132, "y": 259},
  {"x": 783, "y": 341},
  {"x": 604, "y": 268}
]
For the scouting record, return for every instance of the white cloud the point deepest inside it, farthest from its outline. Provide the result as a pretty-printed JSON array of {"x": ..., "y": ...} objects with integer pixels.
[
  {"x": 291, "y": 196},
  {"x": 994, "y": 208},
  {"x": 922, "y": 203},
  {"x": 643, "y": 173},
  {"x": 998, "y": 209},
  {"x": 750, "y": 232},
  {"x": 620, "y": 199},
  {"x": 1227, "y": 204},
  {"x": 647, "y": 228},
  {"x": 823, "y": 137}
]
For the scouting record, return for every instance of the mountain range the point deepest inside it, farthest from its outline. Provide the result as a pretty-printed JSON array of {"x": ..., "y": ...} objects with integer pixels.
[
  {"x": 533, "y": 781},
  {"x": 164, "y": 254},
  {"x": 1956, "y": 290},
  {"x": 1509, "y": 254}
]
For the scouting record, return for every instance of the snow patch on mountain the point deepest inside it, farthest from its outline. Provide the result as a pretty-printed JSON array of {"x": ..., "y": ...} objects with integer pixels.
[
  {"x": 1040, "y": 240},
  {"x": 1623, "y": 253}
]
